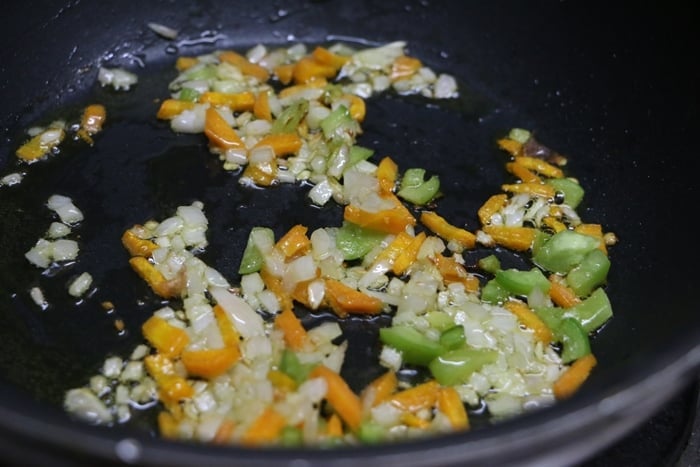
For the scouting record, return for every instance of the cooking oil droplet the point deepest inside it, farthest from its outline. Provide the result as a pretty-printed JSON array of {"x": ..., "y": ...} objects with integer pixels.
[{"x": 171, "y": 49}]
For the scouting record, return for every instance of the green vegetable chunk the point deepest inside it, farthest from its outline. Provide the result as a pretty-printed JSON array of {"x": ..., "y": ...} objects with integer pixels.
[
  {"x": 456, "y": 366},
  {"x": 453, "y": 337},
  {"x": 288, "y": 121},
  {"x": 252, "y": 259},
  {"x": 564, "y": 251},
  {"x": 355, "y": 241},
  {"x": 522, "y": 282},
  {"x": 415, "y": 189},
  {"x": 292, "y": 366},
  {"x": 574, "y": 339},
  {"x": 415, "y": 348},
  {"x": 371, "y": 432},
  {"x": 593, "y": 312},
  {"x": 493, "y": 292},
  {"x": 591, "y": 273},
  {"x": 490, "y": 263},
  {"x": 573, "y": 193}
]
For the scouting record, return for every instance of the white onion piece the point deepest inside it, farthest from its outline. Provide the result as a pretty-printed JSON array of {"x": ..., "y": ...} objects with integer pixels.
[
  {"x": 247, "y": 322},
  {"x": 66, "y": 210},
  {"x": 85, "y": 404},
  {"x": 118, "y": 78},
  {"x": 189, "y": 121},
  {"x": 80, "y": 285},
  {"x": 65, "y": 250}
]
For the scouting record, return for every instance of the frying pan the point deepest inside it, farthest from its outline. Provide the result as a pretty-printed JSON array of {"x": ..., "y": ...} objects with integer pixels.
[{"x": 610, "y": 87}]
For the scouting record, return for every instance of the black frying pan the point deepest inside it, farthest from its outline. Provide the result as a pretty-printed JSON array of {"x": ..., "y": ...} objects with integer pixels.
[{"x": 610, "y": 87}]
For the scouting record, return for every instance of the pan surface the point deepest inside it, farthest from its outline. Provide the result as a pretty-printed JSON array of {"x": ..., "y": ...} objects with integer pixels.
[{"x": 603, "y": 85}]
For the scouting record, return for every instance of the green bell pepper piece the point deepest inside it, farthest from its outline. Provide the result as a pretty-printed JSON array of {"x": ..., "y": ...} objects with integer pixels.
[
  {"x": 357, "y": 154},
  {"x": 456, "y": 366},
  {"x": 564, "y": 250},
  {"x": 591, "y": 273},
  {"x": 522, "y": 282},
  {"x": 252, "y": 259},
  {"x": 415, "y": 189},
  {"x": 490, "y": 264},
  {"x": 291, "y": 437},
  {"x": 289, "y": 119},
  {"x": 573, "y": 193},
  {"x": 494, "y": 293},
  {"x": 355, "y": 241},
  {"x": 415, "y": 348},
  {"x": 188, "y": 94},
  {"x": 453, "y": 338},
  {"x": 371, "y": 432},
  {"x": 439, "y": 320},
  {"x": 292, "y": 366},
  {"x": 338, "y": 123},
  {"x": 593, "y": 312},
  {"x": 552, "y": 316},
  {"x": 574, "y": 340}
]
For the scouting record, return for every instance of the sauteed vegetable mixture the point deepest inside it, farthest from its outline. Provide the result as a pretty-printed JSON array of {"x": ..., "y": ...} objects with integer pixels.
[{"x": 228, "y": 362}]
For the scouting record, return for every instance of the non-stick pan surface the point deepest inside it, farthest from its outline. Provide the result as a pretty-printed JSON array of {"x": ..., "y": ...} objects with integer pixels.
[{"x": 610, "y": 88}]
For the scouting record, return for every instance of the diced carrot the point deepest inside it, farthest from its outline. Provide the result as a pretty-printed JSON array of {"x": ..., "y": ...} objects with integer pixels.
[
  {"x": 261, "y": 107},
  {"x": 538, "y": 189},
  {"x": 155, "y": 279},
  {"x": 408, "y": 255},
  {"x": 274, "y": 284},
  {"x": 423, "y": 396},
  {"x": 540, "y": 166},
  {"x": 357, "y": 109},
  {"x": 294, "y": 242},
  {"x": 450, "y": 404},
  {"x": 170, "y": 108},
  {"x": 210, "y": 363},
  {"x": 569, "y": 382},
  {"x": 414, "y": 421},
  {"x": 451, "y": 271},
  {"x": 515, "y": 238},
  {"x": 594, "y": 230},
  {"x": 265, "y": 429},
  {"x": 36, "y": 147},
  {"x": 530, "y": 320},
  {"x": 172, "y": 388},
  {"x": 515, "y": 148},
  {"x": 300, "y": 294},
  {"x": 404, "y": 67},
  {"x": 262, "y": 174},
  {"x": 553, "y": 223},
  {"x": 219, "y": 132},
  {"x": 389, "y": 254},
  {"x": 91, "y": 121},
  {"x": 138, "y": 246},
  {"x": 228, "y": 331},
  {"x": 284, "y": 73},
  {"x": 523, "y": 173},
  {"x": 307, "y": 69},
  {"x": 295, "y": 336},
  {"x": 238, "y": 102},
  {"x": 242, "y": 63},
  {"x": 326, "y": 57},
  {"x": 345, "y": 300},
  {"x": 393, "y": 220},
  {"x": 334, "y": 427},
  {"x": 167, "y": 339},
  {"x": 184, "y": 63},
  {"x": 282, "y": 144},
  {"x": 492, "y": 205},
  {"x": 387, "y": 173},
  {"x": 291, "y": 90},
  {"x": 224, "y": 432},
  {"x": 449, "y": 232},
  {"x": 381, "y": 388},
  {"x": 339, "y": 395}
]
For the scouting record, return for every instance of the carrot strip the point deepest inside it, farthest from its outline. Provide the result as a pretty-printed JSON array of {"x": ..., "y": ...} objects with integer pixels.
[
  {"x": 184, "y": 63},
  {"x": 291, "y": 90},
  {"x": 37, "y": 148},
  {"x": 523, "y": 173},
  {"x": 393, "y": 220},
  {"x": 326, "y": 57},
  {"x": 262, "y": 174},
  {"x": 167, "y": 425},
  {"x": 553, "y": 223},
  {"x": 282, "y": 144},
  {"x": 167, "y": 339},
  {"x": 238, "y": 102},
  {"x": 284, "y": 73},
  {"x": 339, "y": 395},
  {"x": 172, "y": 387},
  {"x": 451, "y": 271},
  {"x": 295, "y": 336},
  {"x": 387, "y": 173},
  {"x": 414, "y": 421},
  {"x": 423, "y": 396},
  {"x": 224, "y": 432},
  {"x": 210, "y": 363},
  {"x": 538, "y": 189},
  {"x": 261, "y": 107},
  {"x": 530, "y": 320},
  {"x": 407, "y": 256},
  {"x": 294, "y": 242},
  {"x": 155, "y": 279},
  {"x": 307, "y": 69},
  {"x": 450, "y": 404},
  {"x": 274, "y": 284},
  {"x": 138, "y": 246},
  {"x": 515, "y": 238},
  {"x": 515, "y": 148},
  {"x": 380, "y": 389},
  {"x": 265, "y": 429},
  {"x": 569, "y": 382},
  {"x": 219, "y": 132},
  {"x": 334, "y": 427},
  {"x": 357, "y": 109},
  {"x": 170, "y": 108},
  {"x": 229, "y": 334},
  {"x": 388, "y": 255},
  {"x": 540, "y": 166},
  {"x": 281, "y": 381},
  {"x": 242, "y": 63},
  {"x": 449, "y": 232},
  {"x": 344, "y": 300},
  {"x": 594, "y": 230},
  {"x": 492, "y": 205},
  {"x": 561, "y": 294},
  {"x": 91, "y": 121}
]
